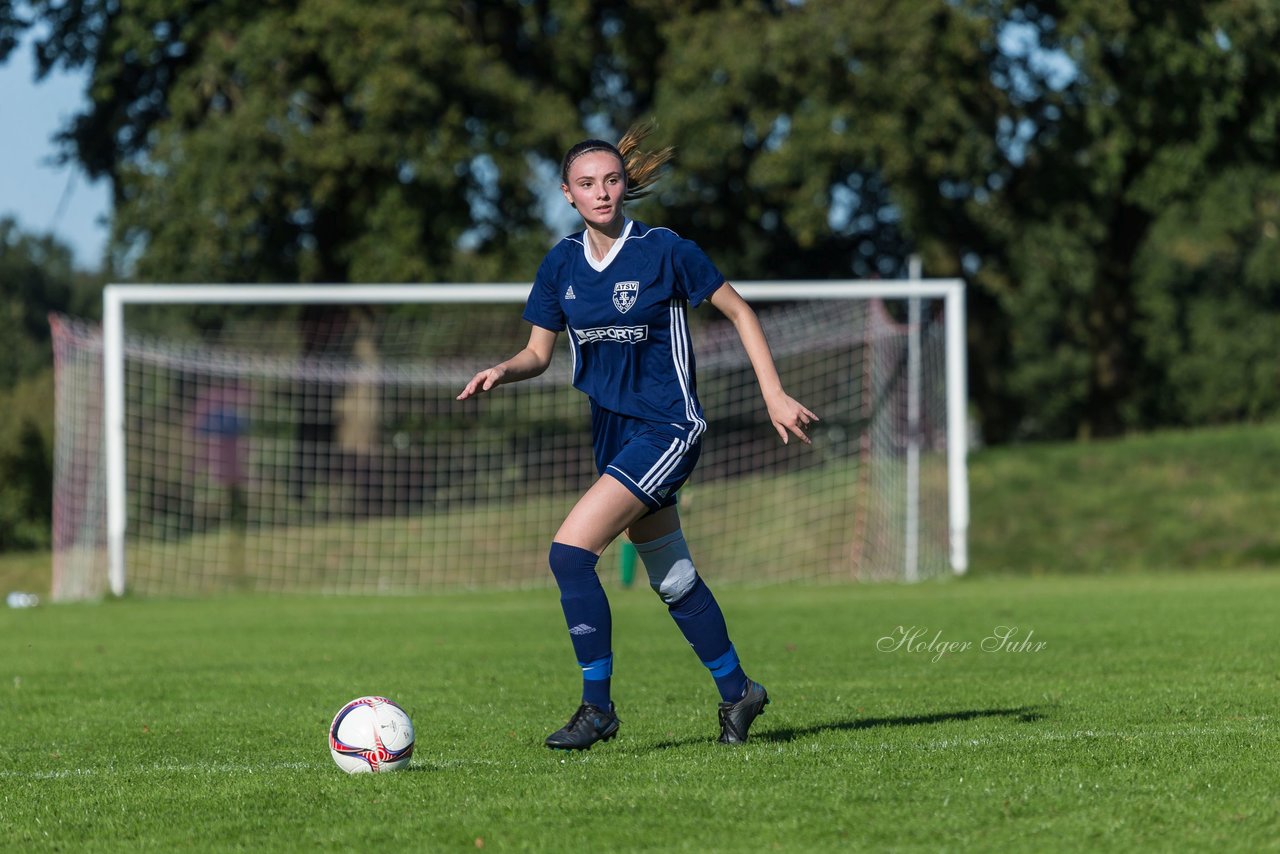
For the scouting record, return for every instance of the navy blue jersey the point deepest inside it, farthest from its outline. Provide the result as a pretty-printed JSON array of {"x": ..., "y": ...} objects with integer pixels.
[{"x": 627, "y": 320}]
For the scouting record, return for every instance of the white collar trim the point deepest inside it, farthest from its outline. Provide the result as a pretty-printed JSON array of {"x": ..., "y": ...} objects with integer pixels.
[{"x": 599, "y": 266}]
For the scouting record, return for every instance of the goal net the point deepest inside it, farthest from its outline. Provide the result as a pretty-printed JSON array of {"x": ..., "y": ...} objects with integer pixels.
[{"x": 319, "y": 447}]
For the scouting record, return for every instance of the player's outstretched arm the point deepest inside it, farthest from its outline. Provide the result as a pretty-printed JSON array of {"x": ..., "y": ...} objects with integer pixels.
[
  {"x": 785, "y": 413},
  {"x": 529, "y": 362}
]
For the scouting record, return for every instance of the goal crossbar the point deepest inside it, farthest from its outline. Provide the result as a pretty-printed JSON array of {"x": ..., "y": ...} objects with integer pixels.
[{"x": 117, "y": 296}]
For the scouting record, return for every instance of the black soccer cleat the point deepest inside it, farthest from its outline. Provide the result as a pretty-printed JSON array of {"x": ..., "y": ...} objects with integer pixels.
[
  {"x": 736, "y": 718},
  {"x": 587, "y": 726}
]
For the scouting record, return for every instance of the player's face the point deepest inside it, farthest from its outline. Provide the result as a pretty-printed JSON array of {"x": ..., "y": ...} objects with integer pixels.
[{"x": 596, "y": 186}]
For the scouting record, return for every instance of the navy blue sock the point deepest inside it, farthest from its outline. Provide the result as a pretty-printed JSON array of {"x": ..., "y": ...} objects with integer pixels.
[
  {"x": 700, "y": 619},
  {"x": 586, "y": 612}
]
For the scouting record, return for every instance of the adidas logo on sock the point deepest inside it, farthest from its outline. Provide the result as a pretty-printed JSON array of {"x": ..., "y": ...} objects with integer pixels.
[
  {"x": 569, "y": 293},
  {"x": 582, "y": 629}
]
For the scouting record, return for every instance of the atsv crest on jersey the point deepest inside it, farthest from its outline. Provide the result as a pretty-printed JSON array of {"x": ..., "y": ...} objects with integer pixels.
[{"x": 624, "y": 295}]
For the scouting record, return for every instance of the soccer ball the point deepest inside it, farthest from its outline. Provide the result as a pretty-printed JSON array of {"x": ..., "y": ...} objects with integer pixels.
[{"x": 371, "y": 734}]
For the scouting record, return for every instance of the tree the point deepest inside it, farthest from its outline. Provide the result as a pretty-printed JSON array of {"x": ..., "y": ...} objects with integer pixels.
[
  {"x": 826, "y": 139},
  {"x": 1031, "y": 147},
  {"x": 1208, "y": 291},
  {"x": 320, "y": 141},
  {"x": 26, "y": 490},
  {"x": 1165, "y": 97},
  {"x": 774, "y": 179},
  {"x": 37, "y": 276},
  {"x": 1036, "y": 148}
]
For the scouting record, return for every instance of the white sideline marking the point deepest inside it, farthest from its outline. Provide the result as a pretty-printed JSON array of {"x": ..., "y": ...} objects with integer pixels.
[
  {"x": 188, "y": 768},
  {"x": 1249, "y": 727},
  {"x": 209, "y": 768}
]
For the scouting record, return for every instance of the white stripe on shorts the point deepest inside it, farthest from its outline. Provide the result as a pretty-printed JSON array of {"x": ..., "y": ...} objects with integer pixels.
[{"x": 664, "y": 466}]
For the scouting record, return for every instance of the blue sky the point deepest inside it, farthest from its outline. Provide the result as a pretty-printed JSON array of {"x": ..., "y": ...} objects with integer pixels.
[{"x": 41, "y": 196}]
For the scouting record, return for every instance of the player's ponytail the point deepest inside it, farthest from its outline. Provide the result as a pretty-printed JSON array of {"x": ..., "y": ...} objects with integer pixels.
[{"x": 643, "y": 168}]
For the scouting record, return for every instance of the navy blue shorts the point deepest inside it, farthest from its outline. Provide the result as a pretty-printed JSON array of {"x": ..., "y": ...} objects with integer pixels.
[{"x": 653, "y": 460}]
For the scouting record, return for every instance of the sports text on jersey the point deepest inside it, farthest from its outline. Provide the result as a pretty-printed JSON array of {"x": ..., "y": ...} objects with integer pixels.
[{"x": 621, "y": 334}]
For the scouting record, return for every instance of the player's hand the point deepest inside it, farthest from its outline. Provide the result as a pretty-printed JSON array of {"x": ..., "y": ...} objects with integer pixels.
[
  {"x": 788, "y": 415},
  {"x": 483, "y": 381}
]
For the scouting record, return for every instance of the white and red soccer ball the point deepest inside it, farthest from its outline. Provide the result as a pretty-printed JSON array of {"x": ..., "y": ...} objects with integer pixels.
[{"x": 371, "y": 734}]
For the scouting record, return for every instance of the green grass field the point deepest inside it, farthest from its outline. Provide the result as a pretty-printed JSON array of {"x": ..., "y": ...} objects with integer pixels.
[
  {"x": 1145, "y": 570},
  {"x": 1145, "y": 721}
]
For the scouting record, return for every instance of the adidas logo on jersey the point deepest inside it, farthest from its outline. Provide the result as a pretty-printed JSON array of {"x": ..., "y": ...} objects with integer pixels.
[
  {"x": 569, "y": 293},
  {"x": 582, "y": 629}
]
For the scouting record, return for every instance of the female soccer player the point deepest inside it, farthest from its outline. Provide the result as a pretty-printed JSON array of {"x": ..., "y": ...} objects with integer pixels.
[{"x": 621, "y": 289}]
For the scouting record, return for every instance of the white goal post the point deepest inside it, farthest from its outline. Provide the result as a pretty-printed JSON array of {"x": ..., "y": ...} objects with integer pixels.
[{"x": 948, "y": 294}]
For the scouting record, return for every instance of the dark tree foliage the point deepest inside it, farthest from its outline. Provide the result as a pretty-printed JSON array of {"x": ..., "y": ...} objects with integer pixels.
[
  {"x": 1060, "y": 154},
  {"x": 37, "y": 276}
]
